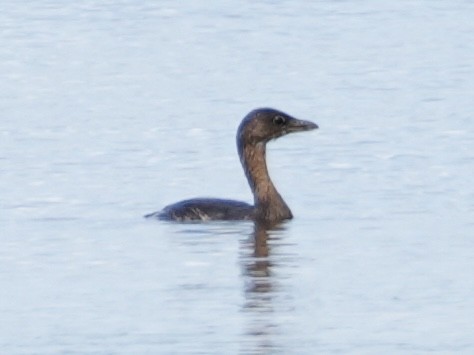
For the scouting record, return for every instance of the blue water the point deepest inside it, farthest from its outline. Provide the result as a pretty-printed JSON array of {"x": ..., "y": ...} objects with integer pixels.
[{"x": 111, "y": 110}]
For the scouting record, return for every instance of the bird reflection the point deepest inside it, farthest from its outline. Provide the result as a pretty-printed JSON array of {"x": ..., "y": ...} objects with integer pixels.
[
  {"x": 260, "y": 286},
  {"x": 257, "y": 267}
]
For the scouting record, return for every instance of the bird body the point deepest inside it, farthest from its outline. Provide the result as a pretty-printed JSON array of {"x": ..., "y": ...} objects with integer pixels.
[{"x": 254, "y": 132}]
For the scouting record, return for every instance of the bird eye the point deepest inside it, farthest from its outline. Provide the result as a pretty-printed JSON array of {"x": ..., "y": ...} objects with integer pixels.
[{"x": 279, "y": 120}]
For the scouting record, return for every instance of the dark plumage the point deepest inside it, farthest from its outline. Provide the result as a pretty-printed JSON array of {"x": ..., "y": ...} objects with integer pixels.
[{"x": 256, "y": 129}]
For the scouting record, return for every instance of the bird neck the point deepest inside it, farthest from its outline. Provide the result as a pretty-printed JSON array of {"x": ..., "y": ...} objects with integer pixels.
[{"x": 268, "y": 202}]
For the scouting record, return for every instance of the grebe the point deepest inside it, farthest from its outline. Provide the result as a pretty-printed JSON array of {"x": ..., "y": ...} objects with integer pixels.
[{"x": 254, "y": 132}]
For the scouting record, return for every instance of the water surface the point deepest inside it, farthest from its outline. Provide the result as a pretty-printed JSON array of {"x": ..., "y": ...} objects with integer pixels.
[{"x": 111, "y": 110}]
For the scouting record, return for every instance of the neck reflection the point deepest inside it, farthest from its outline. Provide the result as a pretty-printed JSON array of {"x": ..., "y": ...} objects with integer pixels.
[{"x": 261, "y": 286}]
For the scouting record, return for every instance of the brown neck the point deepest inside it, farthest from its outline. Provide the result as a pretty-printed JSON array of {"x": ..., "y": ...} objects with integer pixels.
[{"x": 268, "y": 202}]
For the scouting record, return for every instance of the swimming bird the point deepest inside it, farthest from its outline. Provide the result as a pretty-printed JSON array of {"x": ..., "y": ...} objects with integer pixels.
[{"x": 256, "y": 129}]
